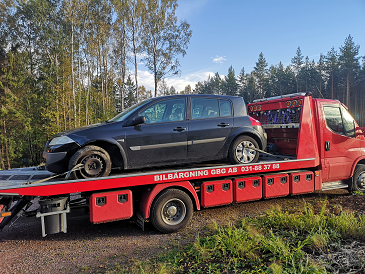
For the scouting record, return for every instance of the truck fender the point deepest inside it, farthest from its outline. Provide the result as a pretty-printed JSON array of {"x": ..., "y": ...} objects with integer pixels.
[
  {"x": 360, "y": 160},
  {"x": 150, "y": 194}
]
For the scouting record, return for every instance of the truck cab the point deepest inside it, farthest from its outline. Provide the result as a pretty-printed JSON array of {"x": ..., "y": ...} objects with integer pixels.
[
  {"x": 302, "y": 127},
  {"x": 342, "y": 141}
]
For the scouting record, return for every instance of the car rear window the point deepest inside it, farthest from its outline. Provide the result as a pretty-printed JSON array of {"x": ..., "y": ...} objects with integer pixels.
[{"x": 210, "y": 108}]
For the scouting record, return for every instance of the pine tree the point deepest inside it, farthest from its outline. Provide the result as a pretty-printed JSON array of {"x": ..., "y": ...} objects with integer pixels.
[
  {"x": 230, "y": 85},
  {"x": 297, "y": 62},
  {"x": 350, "y": 63},
  {"x": 260, "y": 72}
]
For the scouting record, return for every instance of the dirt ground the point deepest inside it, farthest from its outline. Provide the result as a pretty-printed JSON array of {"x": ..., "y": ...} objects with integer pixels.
[{"x": 88, "y": 248}]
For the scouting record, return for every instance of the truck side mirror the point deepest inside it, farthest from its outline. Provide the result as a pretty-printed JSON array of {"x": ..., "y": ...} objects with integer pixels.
[{"x": 360, "y": 131}]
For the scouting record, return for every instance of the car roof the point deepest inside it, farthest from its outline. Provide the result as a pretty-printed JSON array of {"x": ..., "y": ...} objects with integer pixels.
[{"x": 199, "y": 95}]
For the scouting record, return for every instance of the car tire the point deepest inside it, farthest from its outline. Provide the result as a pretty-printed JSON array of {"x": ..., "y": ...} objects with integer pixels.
[
  {"x": 171, "y": 210},
  {"x": 238, "y": 154},
  {"x": 357, "y": 181},
  {"x": 96, "y": 162}
]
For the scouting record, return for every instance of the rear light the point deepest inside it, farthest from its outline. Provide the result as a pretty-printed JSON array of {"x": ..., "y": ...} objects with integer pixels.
[
  {"x": 254, "y": 122},
  {"x": 251, "y": 108},
  {"x": 288, "y": 104},
  {"x": 258, "y": 108},
  {"x": 300, "y": 102},
  {"x": 5, "y": 214},
  {"x": 294, "y": 103}
]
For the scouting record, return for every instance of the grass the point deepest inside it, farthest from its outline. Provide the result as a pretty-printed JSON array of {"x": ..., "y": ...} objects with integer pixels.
[{"x": 276, "y": 242}]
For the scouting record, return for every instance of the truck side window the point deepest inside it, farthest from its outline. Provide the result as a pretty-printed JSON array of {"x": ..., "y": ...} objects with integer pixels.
[
  {"x": 348, "y": 123},
  {"x": 333, "y": 118}
]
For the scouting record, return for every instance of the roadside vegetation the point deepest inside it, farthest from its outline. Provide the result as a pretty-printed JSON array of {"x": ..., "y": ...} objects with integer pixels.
[{"x": 311, "y": 239}]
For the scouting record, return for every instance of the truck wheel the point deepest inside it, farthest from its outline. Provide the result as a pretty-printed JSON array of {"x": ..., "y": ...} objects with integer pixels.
[
  {"x": 171, "y": 211},
  {"x": 96, "y": 163},
  {"x": 239, "y": 154},
  {"x": 357, "y": 182}
]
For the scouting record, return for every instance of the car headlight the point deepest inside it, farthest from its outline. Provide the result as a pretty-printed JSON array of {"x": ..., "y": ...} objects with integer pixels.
[{"x": 61, "y": 141}]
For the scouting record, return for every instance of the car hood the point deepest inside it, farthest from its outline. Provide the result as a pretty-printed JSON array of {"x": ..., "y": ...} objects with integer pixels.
[{"x": 79, "y": 129}]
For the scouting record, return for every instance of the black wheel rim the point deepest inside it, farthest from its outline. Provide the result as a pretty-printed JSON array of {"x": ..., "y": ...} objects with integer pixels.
[
  {"x": 173, "y": 211},
  {"x": 94, "y": 166}
]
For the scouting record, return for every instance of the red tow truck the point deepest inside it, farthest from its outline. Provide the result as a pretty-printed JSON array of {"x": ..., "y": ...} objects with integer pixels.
[{"x": 313, "y": 144}]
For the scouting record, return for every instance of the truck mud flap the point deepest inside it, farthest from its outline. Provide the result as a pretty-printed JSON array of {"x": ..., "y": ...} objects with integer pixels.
[{"x": 140, "y": 219}]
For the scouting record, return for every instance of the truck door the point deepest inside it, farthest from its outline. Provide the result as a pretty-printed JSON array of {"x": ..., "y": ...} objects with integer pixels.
[{"x": 340, "y": 143}]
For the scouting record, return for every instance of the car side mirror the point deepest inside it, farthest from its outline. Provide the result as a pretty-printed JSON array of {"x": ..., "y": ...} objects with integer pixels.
[{"x": 137, "y": 121}]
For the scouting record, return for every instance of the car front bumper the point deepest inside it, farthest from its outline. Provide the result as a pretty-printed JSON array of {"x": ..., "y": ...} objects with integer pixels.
[{"x": 56, "y": 162}]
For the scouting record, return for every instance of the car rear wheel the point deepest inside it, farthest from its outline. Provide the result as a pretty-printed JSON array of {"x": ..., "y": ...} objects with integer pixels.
[
  {"x": 96, "y": 163},
  {"x": 240, "y": 152}
]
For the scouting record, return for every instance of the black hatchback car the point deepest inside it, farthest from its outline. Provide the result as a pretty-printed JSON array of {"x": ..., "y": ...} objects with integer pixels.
[{"x": 160, "y": 131}]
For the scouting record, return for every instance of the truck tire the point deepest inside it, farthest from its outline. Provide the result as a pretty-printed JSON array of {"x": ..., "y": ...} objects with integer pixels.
[
  {"x": 96, "y": 162},
  {"x": 238, "y": 154},
  {"x": 171, "y": 210},
  {"x": 357, "y": 182}
]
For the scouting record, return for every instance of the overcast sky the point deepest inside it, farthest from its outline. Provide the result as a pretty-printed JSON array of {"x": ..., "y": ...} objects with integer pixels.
[{"x": 234, "y": 32}]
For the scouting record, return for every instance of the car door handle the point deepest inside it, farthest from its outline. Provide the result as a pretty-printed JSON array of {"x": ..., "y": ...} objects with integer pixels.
[
  {"x": 223, "y": 125},
  {"x": 179, "y": 129}
]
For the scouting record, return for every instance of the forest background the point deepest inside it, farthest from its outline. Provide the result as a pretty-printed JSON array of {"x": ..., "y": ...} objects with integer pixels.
[{"x": 69, "y": 63}]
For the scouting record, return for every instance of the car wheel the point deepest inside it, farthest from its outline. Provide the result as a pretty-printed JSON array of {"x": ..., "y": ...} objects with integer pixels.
[
  {"x": 240, "y": 152},
  {"x": 96, "y": 163},
  {"x": 171, "y": 211},
  {"x": 357, "y": 182}
]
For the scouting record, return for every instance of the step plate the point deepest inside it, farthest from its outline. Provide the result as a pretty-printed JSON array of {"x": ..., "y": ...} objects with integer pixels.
[{"x": 334, "y": 185}]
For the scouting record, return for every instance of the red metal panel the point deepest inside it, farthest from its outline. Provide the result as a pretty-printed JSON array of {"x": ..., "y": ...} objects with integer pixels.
[
  {"x": 275, "y": 185},
  {"x": 301, "y": 182},
  {"x": 111, "y": 206},
  {"x": 152, "y": 178},
  {"x": 318, "y": 180},
  {"x": 247, "y": 189},
  {"x": 307, "y": 139},
  {"x": 215, "y": 193}
]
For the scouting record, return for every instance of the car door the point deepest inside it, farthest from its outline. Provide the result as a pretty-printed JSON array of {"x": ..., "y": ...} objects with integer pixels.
[
  {"x": 162, "y": 138},
  {"x": 211, "y": 123},
  {"x": 341, "y": 145}
]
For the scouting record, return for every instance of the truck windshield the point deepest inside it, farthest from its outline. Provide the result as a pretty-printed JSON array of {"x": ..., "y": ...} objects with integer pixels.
[{"x": 127, "y": 112}]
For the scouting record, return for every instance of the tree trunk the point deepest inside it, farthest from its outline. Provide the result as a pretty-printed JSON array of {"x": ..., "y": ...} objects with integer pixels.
[{"x": 348, "y": 90}]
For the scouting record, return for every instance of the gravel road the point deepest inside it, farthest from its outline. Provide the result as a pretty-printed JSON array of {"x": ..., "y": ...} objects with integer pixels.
[{"x": 87, "y": 247}]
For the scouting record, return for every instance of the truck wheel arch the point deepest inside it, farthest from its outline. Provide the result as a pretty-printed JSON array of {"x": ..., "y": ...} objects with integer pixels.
[
  {"x": 149, "y": 195},
  {"x": 361, "y": 161}
]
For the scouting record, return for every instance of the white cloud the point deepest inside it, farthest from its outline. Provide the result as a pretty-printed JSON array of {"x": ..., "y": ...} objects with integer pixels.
[
  {"x": 219, "y": 59},
  {"x": 179, "y": 83}
]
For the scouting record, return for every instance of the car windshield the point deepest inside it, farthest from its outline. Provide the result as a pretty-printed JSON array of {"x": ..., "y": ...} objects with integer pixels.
[{"x": 125, "y": 114}]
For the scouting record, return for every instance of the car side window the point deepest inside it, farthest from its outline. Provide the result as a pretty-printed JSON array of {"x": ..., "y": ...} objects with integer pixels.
[
  {"x": 225, "y": 108},
  {"x": 339, "y": 120},
  {"x": 165, "y": 111},
  {"x": 204, "y": 108}
]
